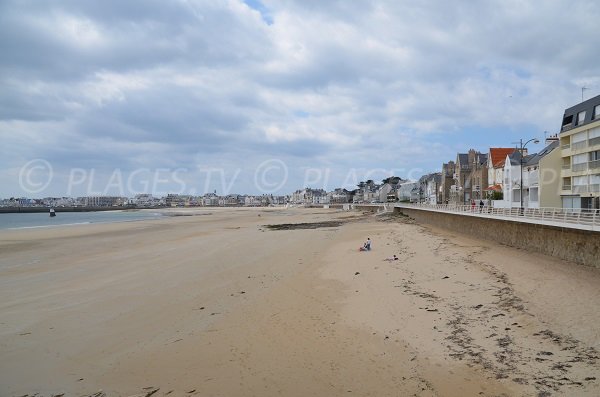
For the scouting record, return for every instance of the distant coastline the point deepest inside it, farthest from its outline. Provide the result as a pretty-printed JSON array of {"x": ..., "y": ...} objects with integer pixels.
[{"x": 30, "y": 210}]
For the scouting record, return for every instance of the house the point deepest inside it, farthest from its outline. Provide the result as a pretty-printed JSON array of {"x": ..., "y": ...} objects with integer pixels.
[
  {"x": 532, "y": 186},
  {"x": 367, "y": 192},
  {"x": 210, "y": 200},
  {"x": 431, "y": 189},
  {"x": 383, "y": 191},
  {"x": 458, "y": 190},
  {"x": 339, "y": 196},
  {"x": 550, "y": 167},
  {"x": 470, "y": 177},
  {"x": 447, "y": 180},
  {"x": 580, "y": 152},
  {"x": 495, "y": 168},
  {"x": 307, "y": 196},
  {"x": 405, "y": 189}
]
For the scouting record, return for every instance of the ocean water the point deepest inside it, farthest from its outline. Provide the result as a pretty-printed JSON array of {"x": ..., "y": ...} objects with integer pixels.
[{"x": 43, "y": 219}]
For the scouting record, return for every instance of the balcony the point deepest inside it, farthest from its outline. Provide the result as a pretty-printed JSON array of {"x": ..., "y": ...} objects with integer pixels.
[
  {"x": 565, "y": 146},
  {"x": 566, "y": 187},
  {"x": 566, "y": 166},
  {"x": 579, "y": 145},
  {"x": 566, "y": 127},
  {"x": 580, "y": 189},
  {"x": 594, "y": 164},
  {"x": 594, "y": 141},
  {"x": 580, "y": 167},
  {"x": 594, "y": 188}
]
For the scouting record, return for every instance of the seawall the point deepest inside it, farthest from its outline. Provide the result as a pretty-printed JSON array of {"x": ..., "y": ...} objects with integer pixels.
[{"x": 579, "y": 246}]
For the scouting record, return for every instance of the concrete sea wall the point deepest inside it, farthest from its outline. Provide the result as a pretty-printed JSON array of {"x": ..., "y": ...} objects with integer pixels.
[{"x": 579, "y": 246}]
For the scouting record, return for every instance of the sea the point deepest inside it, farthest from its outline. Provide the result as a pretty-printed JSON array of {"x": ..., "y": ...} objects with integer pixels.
[{"x": 43, "y": 219}]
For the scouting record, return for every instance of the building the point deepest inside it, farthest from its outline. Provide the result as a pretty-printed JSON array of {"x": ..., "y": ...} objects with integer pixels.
[
  {"x": 405, "y": 189},
  {"x": 535, "y": 182},
  {"x": 307, "y": 196},
  {"x": 339, "y": 196},
  {"x": 580, "y": 152},
  {"x": 470, "y": 177},
  {"x": 550, "y": 167},
  {"x": 104, "y": 201},
  {"x": 462, "y": 170},
  {"x": 495, "y": 168},
  {"x": 429, "y": 188},
  {"x": 447, "y": 180}
]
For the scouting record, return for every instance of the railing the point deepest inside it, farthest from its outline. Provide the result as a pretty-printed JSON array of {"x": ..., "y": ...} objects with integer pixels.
[
  {"x": 566, "y": 146},
  {"x": 566, "y": 166},
  {"x": 595, "y": 188},
  {"x": 588, "y": 219},
  {"x": 579, "y": 145},
  {"x": 580, "y": 189},
  {"x": 566, "y": 187},
  {"x": 594, "y": 141},
  {"x": 594, "y": 164},
  {"x": 579, "y": 167}
]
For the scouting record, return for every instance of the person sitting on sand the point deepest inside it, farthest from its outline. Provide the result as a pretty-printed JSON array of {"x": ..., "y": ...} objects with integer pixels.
[
  {"x": 366, "y": 246},
  {"x": 394, "y": 258}
]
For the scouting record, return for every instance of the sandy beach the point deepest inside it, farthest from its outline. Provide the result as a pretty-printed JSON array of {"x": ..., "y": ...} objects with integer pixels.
[{"x": 217, "y": 303}]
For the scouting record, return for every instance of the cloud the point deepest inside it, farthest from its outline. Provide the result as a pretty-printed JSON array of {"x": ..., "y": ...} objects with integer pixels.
[{"x": 339, "y": 85}]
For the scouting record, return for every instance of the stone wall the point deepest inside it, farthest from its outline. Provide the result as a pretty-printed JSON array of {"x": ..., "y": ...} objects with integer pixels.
[{"x": 579, "y": 246}]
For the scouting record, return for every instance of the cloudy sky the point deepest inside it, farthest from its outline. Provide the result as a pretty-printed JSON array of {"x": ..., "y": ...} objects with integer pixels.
[{"x": 189, "y": 96}]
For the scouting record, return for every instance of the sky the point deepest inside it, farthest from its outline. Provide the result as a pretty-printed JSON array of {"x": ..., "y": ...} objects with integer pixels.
[{"x": 265, "y": 96}]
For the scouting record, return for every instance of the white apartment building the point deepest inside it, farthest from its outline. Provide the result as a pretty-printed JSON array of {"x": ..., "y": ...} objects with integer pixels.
[{"x": 580, "y": 147}]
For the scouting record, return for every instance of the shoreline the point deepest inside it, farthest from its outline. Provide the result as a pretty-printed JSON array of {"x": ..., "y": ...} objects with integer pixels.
[{"x": 224, "y": 305}]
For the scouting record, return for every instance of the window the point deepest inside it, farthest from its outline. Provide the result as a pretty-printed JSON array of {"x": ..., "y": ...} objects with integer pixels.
[
  {"x": 568, "y": 120},
  {"x": 595, "y": 155},
  {"x": 580, "y": 158},
  {"x": 580, "y": 118},
  {"x": 596, "y": 112},
  {"x": 580, "y": 180}
]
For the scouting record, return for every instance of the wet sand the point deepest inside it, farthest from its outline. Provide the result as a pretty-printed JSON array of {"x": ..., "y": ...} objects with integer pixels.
[{"x": 218, "y": 304}]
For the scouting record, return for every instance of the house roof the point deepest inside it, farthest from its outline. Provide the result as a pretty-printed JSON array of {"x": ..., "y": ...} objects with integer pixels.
[
  {"x": 534, "y": 159},
  {"x": 498, "y": 155},
  {"x": 463, "y": 158},
  {"x": 495, "y": 188}
]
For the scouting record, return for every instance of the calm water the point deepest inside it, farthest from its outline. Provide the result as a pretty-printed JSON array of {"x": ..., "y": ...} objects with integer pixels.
[{"x": 20, "y": 221}]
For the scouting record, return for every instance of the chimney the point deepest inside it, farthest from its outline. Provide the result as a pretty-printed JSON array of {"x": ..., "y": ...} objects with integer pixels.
[{"x": 551, "y": 139}]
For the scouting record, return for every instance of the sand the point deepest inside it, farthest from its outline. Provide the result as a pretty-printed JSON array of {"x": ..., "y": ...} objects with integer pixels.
[{"x": 218, "y": 304}]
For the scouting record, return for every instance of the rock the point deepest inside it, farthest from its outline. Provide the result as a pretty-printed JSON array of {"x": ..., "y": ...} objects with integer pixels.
[{"x": 357, "y": 273}]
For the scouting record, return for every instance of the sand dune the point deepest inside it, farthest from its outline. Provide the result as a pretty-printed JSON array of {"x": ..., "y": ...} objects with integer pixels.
[{"x": 220, "y": 305}]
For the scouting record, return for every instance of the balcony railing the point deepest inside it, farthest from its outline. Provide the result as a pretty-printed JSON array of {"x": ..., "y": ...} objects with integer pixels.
[
  {"x": 580, "y": 189},
  {"x": 566, "y": 146},
  {"x": 566, "y": 187},
  {"x": 594, "y": 141},
  {"x": 579, "y": 145},
  {"x": 579, "y": 167},
  {"x": 566, "y": 166},
  {"x": 594, "y": 164},
  {"x": 594, "y": 188}
]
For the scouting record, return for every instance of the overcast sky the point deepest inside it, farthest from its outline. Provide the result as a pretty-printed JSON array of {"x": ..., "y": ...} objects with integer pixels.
[{"x": 124, "y": 97}]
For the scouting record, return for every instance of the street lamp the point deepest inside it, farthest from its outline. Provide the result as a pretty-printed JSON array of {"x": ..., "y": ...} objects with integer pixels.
[{"x": 535, "y": 141}]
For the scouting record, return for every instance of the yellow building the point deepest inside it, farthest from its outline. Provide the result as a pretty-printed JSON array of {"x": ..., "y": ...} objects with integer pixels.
[{"x": 580, "y": 152}]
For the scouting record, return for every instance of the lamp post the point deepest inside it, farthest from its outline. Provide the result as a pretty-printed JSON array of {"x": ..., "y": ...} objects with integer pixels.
[{"x": 535, "y": 141}]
